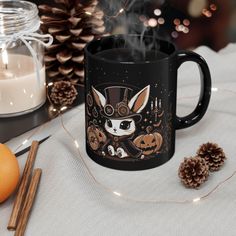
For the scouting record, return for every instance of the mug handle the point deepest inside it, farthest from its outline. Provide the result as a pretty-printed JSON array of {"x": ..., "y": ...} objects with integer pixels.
[{"x": 205, "y": 94}]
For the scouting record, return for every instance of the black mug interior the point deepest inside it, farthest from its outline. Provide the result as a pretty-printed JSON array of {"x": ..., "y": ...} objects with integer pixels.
[{"x": 130, "y": 49}]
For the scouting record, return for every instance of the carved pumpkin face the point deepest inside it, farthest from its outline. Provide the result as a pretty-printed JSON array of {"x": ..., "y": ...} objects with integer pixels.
[
  {"x": 149, "y": 143},
  {"x": 95, "y": 137}
]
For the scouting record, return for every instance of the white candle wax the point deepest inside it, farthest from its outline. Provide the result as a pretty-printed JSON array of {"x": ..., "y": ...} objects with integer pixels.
[{"x": 19, "y": 88}]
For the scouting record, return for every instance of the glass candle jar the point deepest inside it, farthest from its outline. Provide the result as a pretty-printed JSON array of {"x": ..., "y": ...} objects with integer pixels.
[{"x": 22, "y": 71}]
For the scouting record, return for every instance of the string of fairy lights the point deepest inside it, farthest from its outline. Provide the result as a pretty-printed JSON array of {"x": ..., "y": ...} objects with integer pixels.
[{"x": 121, "y": 195}]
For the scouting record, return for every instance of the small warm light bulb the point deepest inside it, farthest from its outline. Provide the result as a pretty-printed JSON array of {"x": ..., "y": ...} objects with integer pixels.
[
  {"x": 213, "y": 7},
  {"x": 117, "y": 193},
  {"x": 177, "y": 21},
  {"x": 5, "y": 58},
  {"x": 121, "y": 10},
  {"x": 152, "y": 22},
  {"x": 157, "y": 12},
  {"x": 76, "y": 144},
  {"x": 206, "y": 13},
  {"x": 50, "y": 84},
  {"x": 88, "y": 13},
  {"x": 161, "y": 21},
  {"x": 24, "y": 142},
  {"x": 196, "y": 199},
  {"x": 63, "y": 108},
  {"x": 181, "y": 27},
  {"x": 186, "y": 22},
  {"x": 186, "y": 30}
]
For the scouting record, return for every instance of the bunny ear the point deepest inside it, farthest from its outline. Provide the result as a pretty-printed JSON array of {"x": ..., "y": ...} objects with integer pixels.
[
  {"x": 139, "y": 101},
  {"x": 99, "y": 98}
]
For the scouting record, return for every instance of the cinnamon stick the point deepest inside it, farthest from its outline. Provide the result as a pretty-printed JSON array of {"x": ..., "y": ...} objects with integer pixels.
[
  {"x": 29, "y": 201},
  {"x": 20, "y": 197}
]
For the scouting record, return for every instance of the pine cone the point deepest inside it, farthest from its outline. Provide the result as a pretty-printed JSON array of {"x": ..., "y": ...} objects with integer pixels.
[
  {"x": 193, "y": 171},
  {"x": 63, "y": 93},
  {"x": 72, "y": 23},
  {"x": 213, "y": 155}
]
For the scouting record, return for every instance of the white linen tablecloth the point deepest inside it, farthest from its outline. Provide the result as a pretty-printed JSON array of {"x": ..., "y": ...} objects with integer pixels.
[{"x": 69, "y": 203}]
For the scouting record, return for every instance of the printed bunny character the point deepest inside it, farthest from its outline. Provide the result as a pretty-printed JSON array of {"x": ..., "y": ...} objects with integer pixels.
[{"x": 122, "y": 115}]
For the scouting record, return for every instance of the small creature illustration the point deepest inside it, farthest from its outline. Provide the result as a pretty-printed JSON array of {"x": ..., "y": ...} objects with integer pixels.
[{"x": 122, "y": 114}]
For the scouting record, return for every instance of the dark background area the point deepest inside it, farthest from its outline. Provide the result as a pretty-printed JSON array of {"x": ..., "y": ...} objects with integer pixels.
[{"x": 215, "y": 31}]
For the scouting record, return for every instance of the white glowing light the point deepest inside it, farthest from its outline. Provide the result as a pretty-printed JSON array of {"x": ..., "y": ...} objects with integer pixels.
[
  {"x": 161, "y": 21},
  {"x": 181, "y": 27},
  {"x": 54, "y": 109},
  {"x": 121, "y": 10},
  {"x": 196, "y": 199},
  {"x": 152, "y": 22},
  {"x": 25, "y": 142},
  {"x": 63, "y": 108},
  {"x": 76, "y": 144},
  {"x": 50, "y": 84},
  {"x": 88, "y": 13},
  {"x": 214, "y": 89},
  {"x": 157, "y": 12},
  {"x": 209, "y": 14},
  {"x": 117, "y": 193},
  {"x": 186, "y": 30},
  {"x": 11, "y": 103},
  {"x": 5, "y": 57}
]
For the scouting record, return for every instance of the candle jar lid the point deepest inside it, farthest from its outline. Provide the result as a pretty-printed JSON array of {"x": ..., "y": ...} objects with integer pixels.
[
  {"x": 17, "y": 16},
  {"x": 22, "y": 70}
]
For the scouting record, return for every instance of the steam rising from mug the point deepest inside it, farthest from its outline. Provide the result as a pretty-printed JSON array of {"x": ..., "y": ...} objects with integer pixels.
[{"x": 129, "y": 23}]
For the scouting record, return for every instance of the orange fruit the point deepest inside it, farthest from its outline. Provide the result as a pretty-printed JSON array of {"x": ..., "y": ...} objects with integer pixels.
[{"x": 9, "y": 172}]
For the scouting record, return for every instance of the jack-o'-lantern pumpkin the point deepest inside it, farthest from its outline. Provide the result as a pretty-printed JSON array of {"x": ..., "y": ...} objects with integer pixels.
[
  {"x": 96, "y": 137},
  {"x": 149, "y": 143}
]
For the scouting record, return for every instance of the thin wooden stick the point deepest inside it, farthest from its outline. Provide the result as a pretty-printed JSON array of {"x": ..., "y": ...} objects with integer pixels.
[
  {"x": 20, "y": 197},
  {"x": 29, "y": 201}
]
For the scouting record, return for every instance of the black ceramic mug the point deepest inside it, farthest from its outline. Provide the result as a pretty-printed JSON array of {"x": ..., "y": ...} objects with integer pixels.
[{"x": 131, "y": 101}]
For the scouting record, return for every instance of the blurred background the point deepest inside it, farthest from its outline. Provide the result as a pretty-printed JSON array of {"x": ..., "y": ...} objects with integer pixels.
[{"x": 188, "y": 23}]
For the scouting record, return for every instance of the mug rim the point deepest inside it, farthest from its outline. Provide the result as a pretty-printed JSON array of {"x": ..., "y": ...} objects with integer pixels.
[{"x": 94, "y": 56}]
